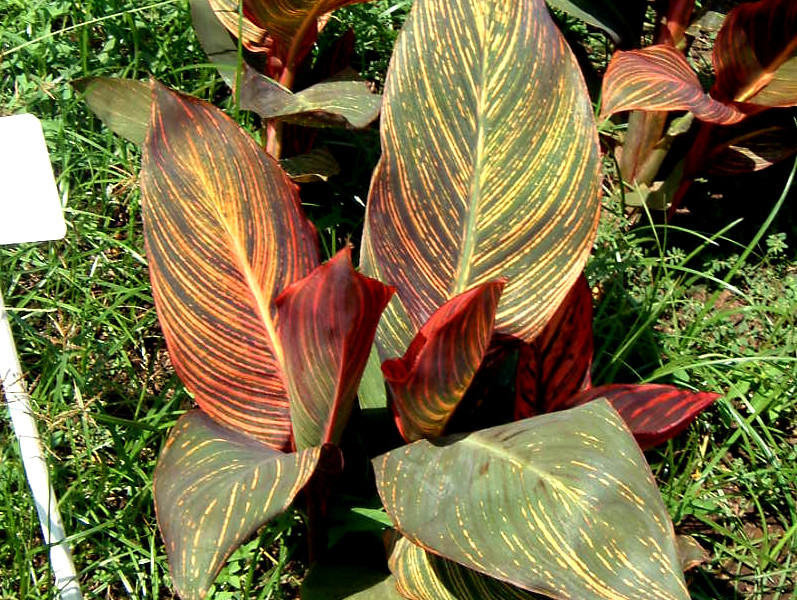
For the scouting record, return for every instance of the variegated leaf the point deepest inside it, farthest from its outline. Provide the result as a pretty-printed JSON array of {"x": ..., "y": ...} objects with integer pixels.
[
  {"x": 316, "y": 165},
  {"x": 421, "y": 575},
  {"x": 658, "y": 78},
  {"x": 225, "y": 234},
  {"x": 122, "y": 104},
  {"x": 556, "y": 364},
  {"x": 562, "y": 504},
  {"x": 755, "y": 54},
  {"x": 489, "y": 166},
  {"x": 332, "y": 581},
  {"x": 654, "y": 413},
  {"x": 428, "y": 382},
  {"x": 621, "y": 19},
  {"x": 213, "y": 489},
  {"x": 326, "y": 326}
]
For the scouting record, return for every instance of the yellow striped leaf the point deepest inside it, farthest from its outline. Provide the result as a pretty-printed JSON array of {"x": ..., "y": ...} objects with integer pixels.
[
  {"x": 489, "y": 167},
  {"x": 213, "y": 489},
  {"x": 326, "y": 325},
  {"x": 755, "y": 54},
  {"x": 421, "y": 575},
  {"x": 658, "y": 78},
  {"x": 225, "y": 234},
  {"x": 562, "y": 504},
  {"x": 429, "y": 381}
]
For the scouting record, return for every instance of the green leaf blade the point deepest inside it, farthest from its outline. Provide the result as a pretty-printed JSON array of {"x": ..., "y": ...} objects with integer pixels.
[
  {"x": 124, "y": 105},
  {"x": 213, "y": 488},
  {"x": 563, "y": 504}
]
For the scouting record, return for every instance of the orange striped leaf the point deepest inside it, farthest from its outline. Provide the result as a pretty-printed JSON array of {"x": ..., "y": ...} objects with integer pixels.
[
  {"x": 489, "y": 167},
  {"x": 213, "y": 489},
  {"x": 755, "y": 54},
  {"x": 755, "y": 144},
  {"x": 422, "y": 575},
  {"x": 654, "y": 413},
  {"x": 562, "y": 504},
  {"x": 556, "y": 364},
  {"x": 431, "y": 378},
  {"x": 225, "y": 234},
  {"x": 658, "y": 78},
  {"x": 326, "y": 324}
]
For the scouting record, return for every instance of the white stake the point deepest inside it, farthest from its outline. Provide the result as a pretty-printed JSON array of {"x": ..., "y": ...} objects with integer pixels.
[{"x": 30, "y": 211}]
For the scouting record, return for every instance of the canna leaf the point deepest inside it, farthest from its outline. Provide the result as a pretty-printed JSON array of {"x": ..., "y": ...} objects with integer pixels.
[
  {"x": 422, "y": 575},
  {"x": 489, "y": 167},
  {"x": 332, "y": 103},
  {"x": 348, "y": 582},
  {"x": 213, "y": 489},
  {"x": 326, "y": 325},
  {"x": 755, "y": 54},
  {"x": 621, "y": 19},
  {"x": 431, "y": 378},
  {"x": 225, "y": 234},
  {"x": 556, "y": 364},
  {"x": 563, "y": 504},
  {"x": 690, "y": 552},
  {"x": 122, "y": 104},
  {"x": 658, "y": 78},
  {"x": 654, "y": 413},
  {"x": 316, "y": 165},
  {"x": 215, "y": 40}
]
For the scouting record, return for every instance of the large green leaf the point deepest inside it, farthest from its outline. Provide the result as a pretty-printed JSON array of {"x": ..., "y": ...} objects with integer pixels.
[
  {"x": 326, "y": 324},
  {"x": 489, "y": 167},
  {"x": 215, "y": 40},
  {"x": 658, "y": 78},
  {"x": 213, "y": 488},
  {"x": 428, "y": 382},
  {"x": 337, "y": 102},
  {"x": 621, "y": 19},
  {"x": 422, "y": 575},
  {"x": 122, "y": 104},
  {"x": 562, "y": 504},
  {"x": 755, "y": 54},
  {"x": 348, "y": 582},
  {"x": 225, "y": 235}
]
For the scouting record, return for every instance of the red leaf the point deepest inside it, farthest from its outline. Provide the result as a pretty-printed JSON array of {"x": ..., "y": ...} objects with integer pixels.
[
  {"x": 658, "y": 78},
  {"x": 225, "y": 233},
  {"x": 428, "y": 382},
  {"x": 327, "y": 323},
  {"x": 556, "y": 364},
  {"x": 755, "y": 54},
  {"x": 654, "y": 413}
]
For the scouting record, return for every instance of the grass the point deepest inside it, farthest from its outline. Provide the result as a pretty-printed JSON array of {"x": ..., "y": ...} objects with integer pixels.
[{"x": 704, "y": 306}]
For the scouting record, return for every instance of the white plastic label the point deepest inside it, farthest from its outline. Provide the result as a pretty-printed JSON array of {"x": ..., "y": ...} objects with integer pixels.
[{"x": 30, "y": 210}]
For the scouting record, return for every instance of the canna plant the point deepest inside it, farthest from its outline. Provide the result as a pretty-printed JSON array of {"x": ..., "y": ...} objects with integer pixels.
[
  {"x": 480, "y": 218},
  {"x": 743, "y": 122}
]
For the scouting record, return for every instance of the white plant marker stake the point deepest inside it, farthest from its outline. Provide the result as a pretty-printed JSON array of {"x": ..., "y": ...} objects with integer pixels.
[{"x": 30, "y": 211}]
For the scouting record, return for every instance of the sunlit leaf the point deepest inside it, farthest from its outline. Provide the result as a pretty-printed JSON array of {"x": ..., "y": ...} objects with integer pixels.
[
  {"x": 122, "y": 104},
  {"x": 427, "y": 383},
  {"x": 562, "y": 504},
  {"x": 755, "y": 54},
  {"x": 556, "y": 364},
  {"x": 331, "y": 103},
  {"x": 621, "y": 19},
  {"x": 422, "y": 575},
  {"x": 326, "y": 325},
  {"x": 225, "y": 234},
  {"x": 489, "y": 167},
  {"x": 213, "y": 489},
  {"x": 215, "y": 40},
  {"x": 658, "y": 78},
  {"x": 654, "y": 413}
]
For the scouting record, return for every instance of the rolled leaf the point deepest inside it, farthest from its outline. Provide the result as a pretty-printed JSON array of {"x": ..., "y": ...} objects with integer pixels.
[
  {"x": 429, "y": 381},
  {"x": 421, "y": 575},
  {"x": 654, "y": 413},
  {"x": 556, "y": 365},
  {"x": 213, "y": 489},
  {"x": 225, "y": 234},
  {"x": 326, "y": 325},
  {"x": 122, "y": 104},
  {"x": 563, "y": 504},
  {"x": 658, "y": 78},
  {"x": 621, "y": 19},
  {"x": 489, "y": 167},
  {"x": 332, "y": 103},
  {"x": 755, "y": 54}
]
